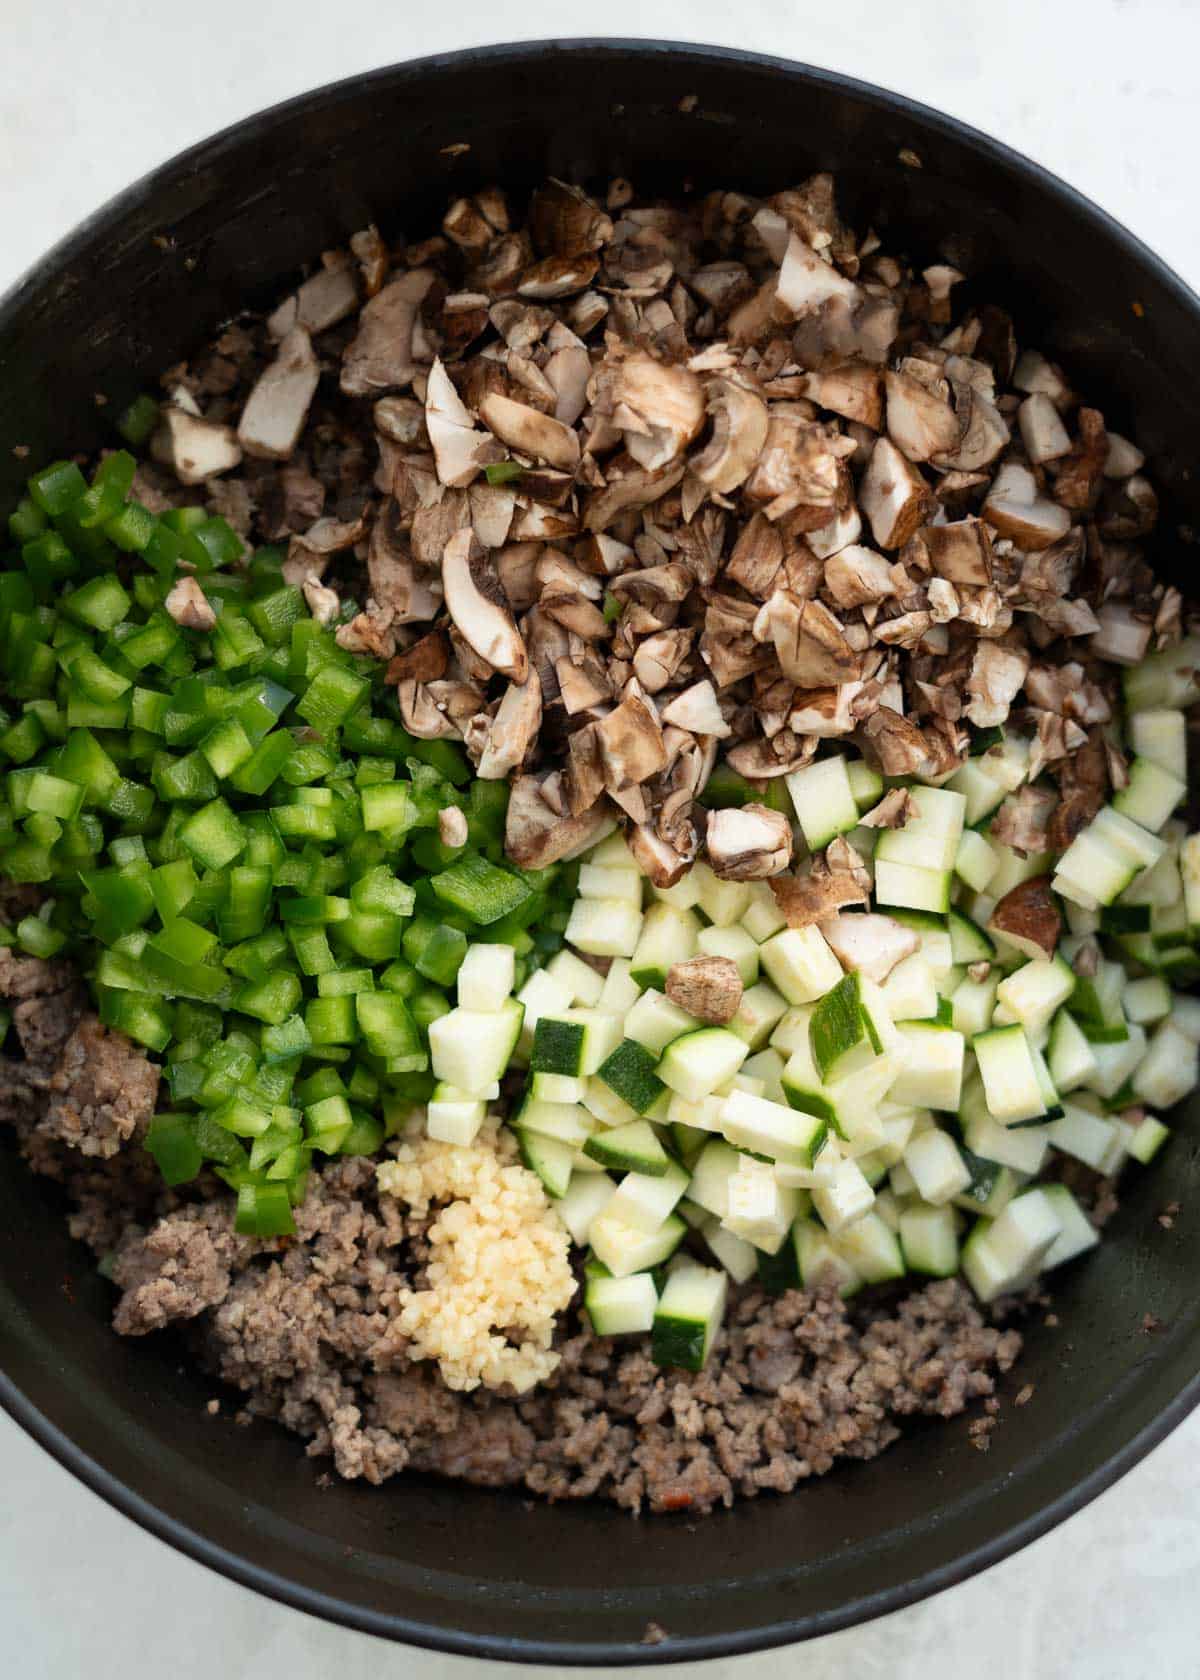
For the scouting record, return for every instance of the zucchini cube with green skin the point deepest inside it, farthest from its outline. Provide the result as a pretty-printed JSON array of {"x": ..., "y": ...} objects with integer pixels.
[
  {"x": 734, "y": 943},
  {"x": 1010, "y": 1076},
  {"x": 690, "y": 1311},
  {"x": 982, "y": 791},
  {"x": 621, "y": 1306},
  {"x": 975, "y": 863},
  {"x": 619, "y": 991},
  {"x": 485, "y": 977},
  {"x": 1148, "y": 1139},
  {"x": 470, "y": 1049},
  {"x": 698, "y": 1062},
  {"x": 541, "y": 995},
  {"x": 645, "y": 1200},
  {"x": 1150, "y": 795},
  {"x": 800, "y": 964},
  {"x": 668, "y": 936},
  {"x": 1169, "y": 1070},
  {"x": 1036, "y": 991},
  {"x": 1072, "y": 1061},
  {"x": 847, "y": 1028},
  {"x": 628, "y": 1071},
  {"x": 723, "y": 902},
  {"x": 911, "y": 886},
  {"x": 866, "y": 784},
  {"x": 930, "y": 839},
  {"x": 771, "y": 1129},
  {"x": 604, "y": 927},
  {"x": 761, "y": 1210},
  {"x": 824, "y": 801},
  {"x": 568, "y": 1122},
  {"x": 455, "y": 1120},
  {"x": 605, "y": 1105},
  {"x": 1147, "y": 1001},
  {"x": 711, "y": 1173},
  {"x": 1082, "y": 1132},
  {"x": 578, "y": 977},
  {"x": 872, "y": 1249},
  {"x": 585, "y": 1198},
  {"x": 625, "y": 1248},
  {"x": 739, "y": 1258},
  {"x": 929, "y": 1240},
  {"x": 937, "y": 1167},
  {"x": 654, "y": 1021},
  {"x": 1008, "y": 1252},
  {"x": 1023, "y": 1148},
  {"x": 1076, "y": 1235},
  {"x": 550, "y": 1158},
  {"x": 844, "y": 1197},
  {"x": 931, "y": 1067},
  {"x": 762, "y": 917},
  {"x": 758, "y": 1012},
  {"x": 819, "y": 1263},
  {"x": 560, "y": 1046},
  {"x": 631, "y": 1148},
  {"x": 1160, "y": 735}
]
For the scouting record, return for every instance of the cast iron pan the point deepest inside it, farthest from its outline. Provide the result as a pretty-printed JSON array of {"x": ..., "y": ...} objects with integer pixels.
[{"x": 487, "y": 1573}]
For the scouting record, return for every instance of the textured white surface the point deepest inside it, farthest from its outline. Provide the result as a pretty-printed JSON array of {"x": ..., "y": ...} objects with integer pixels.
[{"x": 1102, "y": 91}]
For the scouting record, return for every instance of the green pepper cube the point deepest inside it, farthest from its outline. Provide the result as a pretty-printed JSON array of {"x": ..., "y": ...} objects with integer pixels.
[{"x": 213, "y": 835}]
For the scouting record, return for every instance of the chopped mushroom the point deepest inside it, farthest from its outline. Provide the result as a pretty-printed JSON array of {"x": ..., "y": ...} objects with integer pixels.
[
  {"x": 189, "y": 606},
  {"x": 1015, "y": 509},
  {"x": 452, "y": 826},
  {"x": 1028, "y": 918},
  {"x": 748, "y": 843},
  {"x": 513, "y": 730},
  {"x": 534, "y": 835},
  {"x": 277, "y": 407},
  {"x": 869, "y": 944},
  {"x": 997, "y": 673},
  {"x": 631, "y": 744},
  {"x": 530, "y": 432},
  {"x": 324, "y": 604},
  {"x": 893, "y": 495},
  {"x": 475, "y": 601},
  {"x": 708, "y": 988},
  {"x": 195, "y": 449},
  {"x": 697, "y": 709},
  {"x": 458, "y": 448},
  {"x": 391, "y": 345},
  {"x": 321, "y": 302}
]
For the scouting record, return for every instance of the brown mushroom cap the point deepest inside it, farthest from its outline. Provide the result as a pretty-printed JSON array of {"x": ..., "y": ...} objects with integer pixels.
[
  {"x": 710, "y": 988},
  {"x": 1028, "y": 918}
]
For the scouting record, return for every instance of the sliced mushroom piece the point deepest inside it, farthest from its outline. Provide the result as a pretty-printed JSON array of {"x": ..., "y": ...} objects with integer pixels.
[
  {"x": 389, "y": 348},
  {"x": 534, "y": 835},
  {"x": 739, "y": 431},
  {"x": 631, "y": 744},
  {"x": 582, "y": 685},
  {"x": 567, "y": 371},
  {"x": 708, "y": 988},
  {"x": 810, "y": 642},
  {"x": 309, "y": 551},
  {"x": 805, "y": 281},
  {"x": 663, "y": 863},
  {"x": 324, "y": 604},
  {"x": 425, "y": 661},
  {"x": 920, "y": 421},
  {"x": 801, "y": 470},
  {"x": 458, "y": 448},
  {"x": 371, "y": 254},
  {"x": 748, "y": 843},
  {"x": 893, "y": 495},
  {"x": 392, "y": 573},
  {"x": 1016, "y": 509},
  {"x": 514, "y": 730},
  {"x": 808, "y": 899},
  {"x": 843, "y": 529},
  {"x": 1123, "y": 458},
  {"x": 558, "y": 277},
  {"x": 824, "y": 713},
  {"x": 564, "y": 220},
  {"x": 453, "y": 829},
  {"x": 870, "y": 944},
  {"x": 277, "y": 407},
  {"x": 960, "y": 552},
  {"x": 761, "y": 761},
  {"x": 189, "y": 606},
  {"x": 898, "y": 744},
  {"x": 853, "y": 390},
  {"x": 997, "y": 673},
  {"x": 475, "y": 601},
  {"x": 697, "y": 710},
  {"x": 421, "y": 717},
  {"x": 1042, "y": 432},
  {"x": 628, "y": 485},
  {"x": 857, "y": 575},
  {"x": 194, "y": 448},
  {"x": 530, "y": 432},
  {"x": 320, "y": 302},
  {"x": 1123, "y": 637},
  {"x": 659, "y": 407},
  {"x": 1028, "y": 918},
  {"x": 984, "y": 433}
]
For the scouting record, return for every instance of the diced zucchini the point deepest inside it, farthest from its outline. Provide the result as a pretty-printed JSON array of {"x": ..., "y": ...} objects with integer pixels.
[
  {"x": 541, "y": 995},
  {"x": 975, "y": 863},
  {"x": 824, "y": 801},
  {"x": 972, "y": 1006},
  {"x": 770, "y": 1128},
  {"x": 910, "y": 886},
  {"x": 937, "y": 1167},
  {"x": 548, "y": 1157},
  {"x": 1169, "y": 1071},
  {"x": 871, "y": 1248},
  {"x": 968, "y": 943},
  {"x": 1076, "y": 1232},
  {"x": 847, "y": 1028},
  {"x": 668, "y": 936},
  {"x": 1007, "y": 1253},
  {"x": 760, "y": 1209},
  {"x": 843, "y": 1198},
  {"x": 711, "y": 1173},
  {"x": 766, "y": 1066},
  {"x": 626, "y": 1248},
  {"x": 1081, "y": 1132},
  {"x": 471, "y": 1049},
  {"x": 734, "y": 943},
  {"x": 1071, "y": 1059},
  {"x": 929, "y": 839},
  {"x": 1023, "y": 1148},
  {"x": 695, "y": 1064},
  {"x": 931, "y": 1067},
  {"x": 759, "y": 1011},
  {"x": 739, "y": 1258},
  {"x": 910, "y": 990},
  {"x": 599, "y": 880},
  {"x": 579, "y": 978},
  {"x": 866, "y": 784},
  {"x": 1010, "y": 1075},
  {"x": 587, "y": 1195},
  {"x": 454, "y": 1119},
  {"x": 1117, "y": 1063},
  {"x": 568, "y": 1122},
  {"x": 604, "y": 927},
  {"x": 557, "y": 1088},
  {"x": 621, "y": 1306},
  {"x": 485, "y": 977},
  {"x": 1150, "y": 795},
  {"x": 646, "y": 1200},
  {"x": 1032, "y": 993},
  {"x": 631, "y": 1148},
  {"x": 1160, "y": 735},
  {"x": 690, "y": 1312},
  {"x": 819, "y": 1263},
  {"x": 800, "y": 964},
  {"x": 929, "y": 1240},
  {"x": 1148, "y": 1139},
  {"x": 629, "y": 1072},
  {"x": 620, "y": 990},
  {"x": 654, "y": 1021},
  {"x": 762, "y": 916},
  {"x": 723, "y": 902}
]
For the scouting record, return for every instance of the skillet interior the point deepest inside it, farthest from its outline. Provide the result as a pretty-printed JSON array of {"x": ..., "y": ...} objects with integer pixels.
[{"x": 463, "y": 1569}]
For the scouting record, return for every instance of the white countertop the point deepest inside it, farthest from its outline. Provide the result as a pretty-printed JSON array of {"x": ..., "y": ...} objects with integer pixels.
[{"x": 1104, "y": 92}]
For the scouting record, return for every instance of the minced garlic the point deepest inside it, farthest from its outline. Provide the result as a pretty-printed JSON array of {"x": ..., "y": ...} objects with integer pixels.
[{"x": 500, "y": 1261}]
